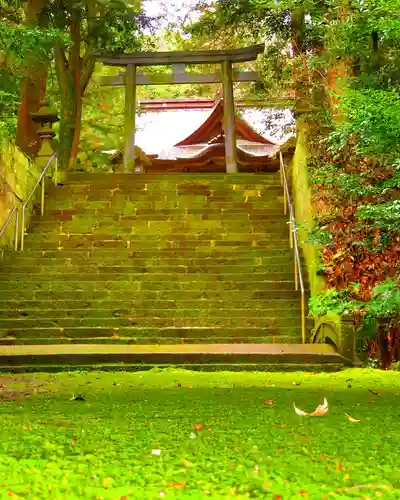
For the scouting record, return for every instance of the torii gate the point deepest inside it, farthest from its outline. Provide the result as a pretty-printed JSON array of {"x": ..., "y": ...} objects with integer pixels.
[{"x": 131, "y": 78}]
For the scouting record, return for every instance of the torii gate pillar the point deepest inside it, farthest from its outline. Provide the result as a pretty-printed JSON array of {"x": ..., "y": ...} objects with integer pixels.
[
  {"x": 130, "y": 118},
  {"x": 229, "y": 118}
]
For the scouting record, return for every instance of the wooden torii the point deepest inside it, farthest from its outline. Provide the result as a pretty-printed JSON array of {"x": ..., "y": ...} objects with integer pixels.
[{"x": 131, "y": 78}]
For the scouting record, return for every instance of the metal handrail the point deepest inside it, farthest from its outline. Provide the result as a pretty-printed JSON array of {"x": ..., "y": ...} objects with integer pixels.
[
  {"x": 294, "y": 244},
  {"x": 41, "y": 181},
  {"x": 7, "y": 222}
]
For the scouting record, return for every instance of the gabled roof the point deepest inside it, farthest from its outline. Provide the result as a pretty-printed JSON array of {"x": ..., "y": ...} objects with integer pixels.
[{"x": 214, "y": 126}]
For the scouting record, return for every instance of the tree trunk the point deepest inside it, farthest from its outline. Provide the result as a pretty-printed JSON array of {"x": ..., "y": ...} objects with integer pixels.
[
  {"x": 33, "y": 86},
  {"x": 68, "y": 106},
  {"x": 73, "y": 76}
]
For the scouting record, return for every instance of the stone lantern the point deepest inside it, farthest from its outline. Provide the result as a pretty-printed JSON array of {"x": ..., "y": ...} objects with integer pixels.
[{"x": 44, "y": 118}]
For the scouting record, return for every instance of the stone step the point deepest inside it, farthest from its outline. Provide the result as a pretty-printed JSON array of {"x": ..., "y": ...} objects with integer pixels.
[
  {"x": 181, "y": 225},
  {"x": 164, "y": 213},
  {"x": 267, "y": 339},
  {"x": 153, "y": 234},
  {"x": 40, "y": 243},
  {"x": 222, "y": 354},
  {"x": 227, "y": 295},
  {"x": 274, "y": 305},
  {"x": 91, "y": 178},
  {"x": 161, "y": 286},
  {"x": 131, "y": 208},
  {"x": 129, "y": 257},
  {"x": 152, "y": 320},
  {"x": 139, "y": 273},
  {"x": 286, "y": 316},
  {"x": 179, "y": 332},
  {"x": 189, "y": 239},
  {"x": 131, "y": 274},
  {"x": 156, "y": 192}
]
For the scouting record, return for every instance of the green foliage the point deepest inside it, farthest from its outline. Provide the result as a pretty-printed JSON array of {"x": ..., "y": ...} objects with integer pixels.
[
  {"x": 384, "y": 302},
  {"x": 320, "y": 236},
  {"x": 16, "y": 41},
  {"x": 384, "y": 216},
  {"x": 372, "y": 123},
  {"x": 333, "y": 302}
]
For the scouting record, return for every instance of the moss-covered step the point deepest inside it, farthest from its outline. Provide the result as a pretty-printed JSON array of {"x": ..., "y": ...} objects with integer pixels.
[
  {"x": 152, "y": 320},
  {"x": 274, "y": 305},
  {"x": 170, "y": 354},
  {"x": 146, "y": 282},
  {"x": 227, "y": 295},
  {"x": 181, "y": 332},
  {"x": 118, "y": 257},
  {"x": 267, "y": 339},
  {"x": 280, "y": 317}
]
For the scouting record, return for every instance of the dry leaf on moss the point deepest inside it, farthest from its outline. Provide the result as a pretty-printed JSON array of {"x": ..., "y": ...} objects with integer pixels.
[{"x": 318, "y": 412}]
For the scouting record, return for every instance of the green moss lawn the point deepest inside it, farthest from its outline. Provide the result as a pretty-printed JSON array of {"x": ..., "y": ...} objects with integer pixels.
[{"x": 179, "y": 434}]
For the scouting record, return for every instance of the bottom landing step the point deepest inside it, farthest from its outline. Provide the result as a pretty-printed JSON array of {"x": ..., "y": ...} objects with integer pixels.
[{"x": 196, "y": 356}]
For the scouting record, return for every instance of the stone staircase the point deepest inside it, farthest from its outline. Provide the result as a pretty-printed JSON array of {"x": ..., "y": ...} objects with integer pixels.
[{"x": 171, "y": 268}]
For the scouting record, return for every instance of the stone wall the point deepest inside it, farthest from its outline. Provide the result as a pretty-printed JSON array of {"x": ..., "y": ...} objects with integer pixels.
[
  {"x": 304, "y": 212},
  {"x": 17, "y": 177}
]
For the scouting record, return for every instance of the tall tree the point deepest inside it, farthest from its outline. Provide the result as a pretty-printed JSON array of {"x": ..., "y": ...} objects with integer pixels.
[
  {"x": 33, "y": 86},
  {"x": 25, "y": 51},
  {"x": 92, "y": 25}
]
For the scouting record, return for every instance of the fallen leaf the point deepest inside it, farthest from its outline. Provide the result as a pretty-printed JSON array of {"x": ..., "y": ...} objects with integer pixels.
[
  {"x": 374, "y": 392},
  {"x": 269, "y": 402},
  {"x": 107, "y": 482},
  {"x": 79, "y": 398},
  {"x": 186, "y": 463},
  {"x": 351, "y": 419},
  {"x": 319, "y": 411},
  {"x": 340, "y": 467},
  {"x": 177, "y": 485},
  {"x": 73, "y": 442}
]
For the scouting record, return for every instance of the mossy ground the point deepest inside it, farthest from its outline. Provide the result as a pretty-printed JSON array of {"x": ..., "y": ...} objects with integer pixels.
[{"x": 219, "y": 435}]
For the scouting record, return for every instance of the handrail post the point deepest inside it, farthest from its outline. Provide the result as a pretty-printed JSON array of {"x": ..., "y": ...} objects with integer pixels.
[
  {"x": 303, "y": 318},
  {"x": 16, "y": 231},
  {"x": 42, "y": 197},
  {"x": 22, "y": 227},
  {"x": 291, "y": 234}
]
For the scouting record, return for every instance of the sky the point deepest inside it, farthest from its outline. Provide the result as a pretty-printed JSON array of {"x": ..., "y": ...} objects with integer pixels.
[{"x": 170, "y": 10}]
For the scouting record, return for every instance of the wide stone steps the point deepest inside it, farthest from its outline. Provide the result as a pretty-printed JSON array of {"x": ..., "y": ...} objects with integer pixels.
[{"x": 121, "y": 262}]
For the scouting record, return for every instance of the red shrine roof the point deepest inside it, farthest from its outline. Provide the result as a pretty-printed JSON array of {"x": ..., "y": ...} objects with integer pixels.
[{"x": 214, "y": 125}]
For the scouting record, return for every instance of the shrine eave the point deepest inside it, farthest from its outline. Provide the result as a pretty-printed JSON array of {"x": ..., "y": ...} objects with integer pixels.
[{"x": 182, "y": 57}]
